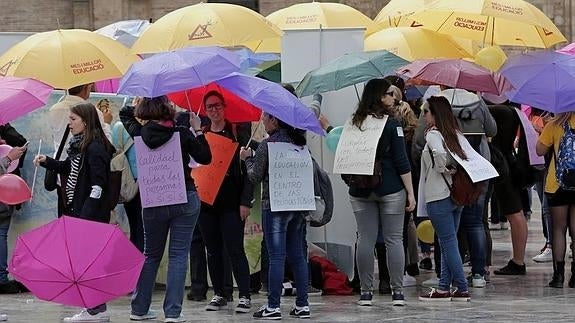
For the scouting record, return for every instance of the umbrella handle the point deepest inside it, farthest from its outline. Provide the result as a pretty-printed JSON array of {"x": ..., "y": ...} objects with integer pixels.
[
  {"x": 254, "y": 133},
  {"x": 36, "y": 168}
]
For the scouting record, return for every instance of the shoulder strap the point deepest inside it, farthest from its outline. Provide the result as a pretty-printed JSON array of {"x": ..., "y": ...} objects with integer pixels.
[
  {"x": 62, "y": 143},
  {"x": 433, "y": 165}
]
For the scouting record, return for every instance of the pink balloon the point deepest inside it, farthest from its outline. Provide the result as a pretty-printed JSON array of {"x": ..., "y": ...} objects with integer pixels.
[
  {"x": 4, "y": 150},
  {"x": 14, "y": 190}
]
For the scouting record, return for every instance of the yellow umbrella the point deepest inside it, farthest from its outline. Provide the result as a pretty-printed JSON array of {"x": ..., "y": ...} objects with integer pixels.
[
  {"x": 415, "y": 43},
  {"x": 205, "y": 24},
  {"x": 312, "y": 15},
  {"x": 66, "y": 58},
  {"x": 396, "y": 11},
  {"x": 492, "y": 22}
]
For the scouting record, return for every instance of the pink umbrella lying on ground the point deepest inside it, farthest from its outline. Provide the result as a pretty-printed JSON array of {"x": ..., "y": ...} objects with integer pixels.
[
  {"x": 19, "y": 96},
  {"x": 456, "y": 73},
  {"x": 76, "y": 262}
]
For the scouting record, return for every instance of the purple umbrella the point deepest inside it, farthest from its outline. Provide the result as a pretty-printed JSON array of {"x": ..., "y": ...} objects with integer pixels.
[
  {"x": 456, "y": 73},
  {"x": 18, "y": 96},
  {"x": 273, "y": 99},
  {"x": 178, "y": 70},
  {"x": 543, "y": 79}
]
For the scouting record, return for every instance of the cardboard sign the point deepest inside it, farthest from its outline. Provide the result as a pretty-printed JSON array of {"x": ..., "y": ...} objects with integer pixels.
[
  {"x": 355, "y": 153},
  {"x": 477, "y": 167},
  {"x": 291, "y": 177},
  {"x": 531, "y": 136},
  {"x": 209, "y": 178},
  {"x": 160, "y": 173}
]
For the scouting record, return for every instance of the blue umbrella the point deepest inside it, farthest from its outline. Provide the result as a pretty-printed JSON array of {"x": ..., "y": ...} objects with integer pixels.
[
  {"x": 543, "y": 79},
  {"x": 273, "y": 99},
  {"x": 178, "y": 70},
  {"x": 251, "y": 60}
]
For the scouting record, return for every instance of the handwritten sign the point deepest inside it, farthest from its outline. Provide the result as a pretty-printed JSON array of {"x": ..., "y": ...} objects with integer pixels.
[
  {"x": 355, "y": 153},
  {"x": 531, "y": 136},
  {"x": 291, "y": 177},
  {"x": 477, "y": 167},
  {"x": 209, "y": 178},
  {"x": 160, "y": 173}
]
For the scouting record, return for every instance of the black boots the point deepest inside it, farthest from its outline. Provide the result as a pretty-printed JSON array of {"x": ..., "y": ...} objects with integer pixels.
[
  {"x": 571, "y": 283},
  {"x": 559, "y": 275}
]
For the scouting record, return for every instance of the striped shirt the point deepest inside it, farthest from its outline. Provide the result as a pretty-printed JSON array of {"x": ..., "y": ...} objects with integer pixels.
[{"x": 73, "y": 178}]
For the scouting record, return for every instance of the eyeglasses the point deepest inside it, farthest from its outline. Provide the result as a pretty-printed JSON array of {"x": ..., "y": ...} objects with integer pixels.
[
  {"x": 214, "y": 107},
  {"x": 388, "y": 93}
]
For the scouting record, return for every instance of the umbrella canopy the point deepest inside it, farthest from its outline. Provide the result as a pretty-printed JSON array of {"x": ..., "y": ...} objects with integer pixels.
[
  {"x": 542, "y": 79},
  {"x": 236, "y": 110},
  {"x": 456, "y": 73},
  {"x": 251, "y": 60},
  {"x": 19, "y": 96},
  {"x": 76, "y": 262},
  {"x": 125, "y": 32},
  {"x": 415, "y": 43},
  {"x": 569, "y": 49},
  {"x": 347, "y": 70},
  {"x": 205, "y": 24},
  {"x": 66, "y": 58},
  {"x": 492, "y": 22},
  {"x": 313, "y": 15},
  {"x": 178, "y": 70}
]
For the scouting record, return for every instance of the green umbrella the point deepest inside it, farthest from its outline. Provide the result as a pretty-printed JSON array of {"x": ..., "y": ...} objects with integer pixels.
[
  {"x": 271, "y": 71},
  {"x": 349, "y": 69}
]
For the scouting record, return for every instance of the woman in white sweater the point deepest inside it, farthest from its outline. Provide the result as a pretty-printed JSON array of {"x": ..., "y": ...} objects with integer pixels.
[{"x": 443, "y": 138}]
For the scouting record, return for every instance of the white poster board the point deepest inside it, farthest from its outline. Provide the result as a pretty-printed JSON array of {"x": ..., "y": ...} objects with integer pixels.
[
  {"x": 291, "y": 177},
  {"x": 478, "y": 168},
  {"x": 357, "y": 147},
  {"x": 302, "y": 51}
]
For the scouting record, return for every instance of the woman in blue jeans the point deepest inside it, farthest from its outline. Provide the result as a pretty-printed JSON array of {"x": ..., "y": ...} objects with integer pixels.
[
  {"x": 283, "y": 231},
  {"x": 157, "y": 128},
  {"x": 437, "y": 166}
]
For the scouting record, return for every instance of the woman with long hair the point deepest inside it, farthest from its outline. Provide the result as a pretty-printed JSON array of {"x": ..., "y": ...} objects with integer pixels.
[
  {"x": 283, "y": 231},
  {"x": 178, "y": 221},
  {"x": 561, "y": 200},
  {"x": 443, "y": 138},
  {"x": 222, "y": 223},
  {"x": 87, "y": 168},
  {"x": 384, "y": 206}
]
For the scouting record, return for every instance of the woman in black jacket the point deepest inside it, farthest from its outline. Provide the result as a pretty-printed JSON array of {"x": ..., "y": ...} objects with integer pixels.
[
  {"x": 156, "y": 129},
  {"x": 87, "y": 169}
]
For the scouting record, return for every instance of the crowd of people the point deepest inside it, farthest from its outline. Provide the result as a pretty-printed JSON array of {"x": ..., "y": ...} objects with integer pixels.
[{"x": 418, "y": 151}]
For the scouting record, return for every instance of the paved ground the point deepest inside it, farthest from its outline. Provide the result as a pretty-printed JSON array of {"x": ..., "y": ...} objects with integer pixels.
[{"x": 505, "y": 299}]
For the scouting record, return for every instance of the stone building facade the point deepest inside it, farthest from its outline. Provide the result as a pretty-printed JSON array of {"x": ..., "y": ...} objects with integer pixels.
[{"x": 44, "y": 15}]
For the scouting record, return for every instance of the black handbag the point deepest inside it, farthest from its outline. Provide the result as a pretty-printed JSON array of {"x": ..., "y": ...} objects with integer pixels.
[{"x": 51, "y": 178}]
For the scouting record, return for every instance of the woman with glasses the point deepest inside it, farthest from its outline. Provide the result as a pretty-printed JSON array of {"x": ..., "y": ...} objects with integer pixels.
[
  {"x": 222, "y": 223},
  {"x": 383, "y": 206}
]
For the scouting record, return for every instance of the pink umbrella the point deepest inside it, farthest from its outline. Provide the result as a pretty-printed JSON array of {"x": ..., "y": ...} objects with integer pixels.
[
  {"x": 76, "y": 262},
  {"x": 19, "y": 96},
  {"x": 456, "y": 73},
  {"x": 569, "y": 49},
  {"x": 107, "y": 86}
]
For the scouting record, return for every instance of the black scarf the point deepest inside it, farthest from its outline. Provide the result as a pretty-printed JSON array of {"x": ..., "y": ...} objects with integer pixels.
[{"x": 74, "y": 148}]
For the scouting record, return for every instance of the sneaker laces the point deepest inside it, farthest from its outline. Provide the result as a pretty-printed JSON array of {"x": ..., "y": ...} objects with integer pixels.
[
  {"x": 216, "y": 299},
  {"x": 244, "y": 301}
]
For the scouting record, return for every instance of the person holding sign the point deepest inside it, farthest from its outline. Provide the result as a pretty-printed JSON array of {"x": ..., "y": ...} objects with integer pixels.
[
  {"x": 165, "y": 143},
  {"x": 283, "y": 230},
  {"x": 437, "y": 167},
  {"x": 223, "y": 221},
  {"x": 373, "y": 144},
  {"x": 87, "y": 168}
]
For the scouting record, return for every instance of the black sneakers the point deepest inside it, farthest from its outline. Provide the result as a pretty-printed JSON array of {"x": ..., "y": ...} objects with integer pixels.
[
  {"x": 216, "y": 303},
  {"x": 425, "y": 264},
  {"x": 244, "y": 305},
  {"x": 511, "y": 269},
  {"x": 300, "y": 312},
  {"x": 397, "y": 298},
  {"x": 365, "y": 299},
  {"x": 265, "y": 313}
]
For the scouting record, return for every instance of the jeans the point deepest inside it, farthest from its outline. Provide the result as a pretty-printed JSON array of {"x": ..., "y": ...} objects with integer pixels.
[
  {"x": 445, "y": 216},
  {"x": 178, "y": 221},
  {"x": 547, "y": 220},
  {"x": 371, "y": 213},
  {"x": 283, "y": 232},
  {"x": 4, "y": 252},
  {"x": 134, "y": 214},
  {"x": 472, "y": 224},
  {"x": 225, "y": 228}
]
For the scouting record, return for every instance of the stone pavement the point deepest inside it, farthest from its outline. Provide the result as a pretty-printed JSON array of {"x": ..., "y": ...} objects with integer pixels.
[{"x": 505, "y": 299}]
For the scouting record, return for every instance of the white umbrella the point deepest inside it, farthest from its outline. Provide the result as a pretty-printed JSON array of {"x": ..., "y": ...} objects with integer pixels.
[{"x": 126, "y": 32}]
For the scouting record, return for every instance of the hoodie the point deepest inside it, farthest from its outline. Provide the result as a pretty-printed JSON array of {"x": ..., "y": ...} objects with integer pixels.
[
  {"x": 459, "y": 99},
  {"x": 155, "y": 135}
]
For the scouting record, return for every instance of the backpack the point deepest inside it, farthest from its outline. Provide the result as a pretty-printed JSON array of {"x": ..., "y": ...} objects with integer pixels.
[
  {"x": 470, "y": 126},
  {"x": 323, "y": 197},
  {"x": 565, "y": 159},
  {"x": 119, "y": 163},
  {"x": 499, "y": 161}
]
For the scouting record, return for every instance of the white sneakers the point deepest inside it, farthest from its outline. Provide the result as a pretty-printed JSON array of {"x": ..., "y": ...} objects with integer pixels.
[
  {"x": 84, "y": 316},
  {"x": 409, "y": 281},
  {"x": 478, "y": 281},
  {"x": 545, "y": 256},
  {"x": 3, "y": 317},
  {"x": 178, "y": 319},
  {"x": 151, "y": 315}
]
